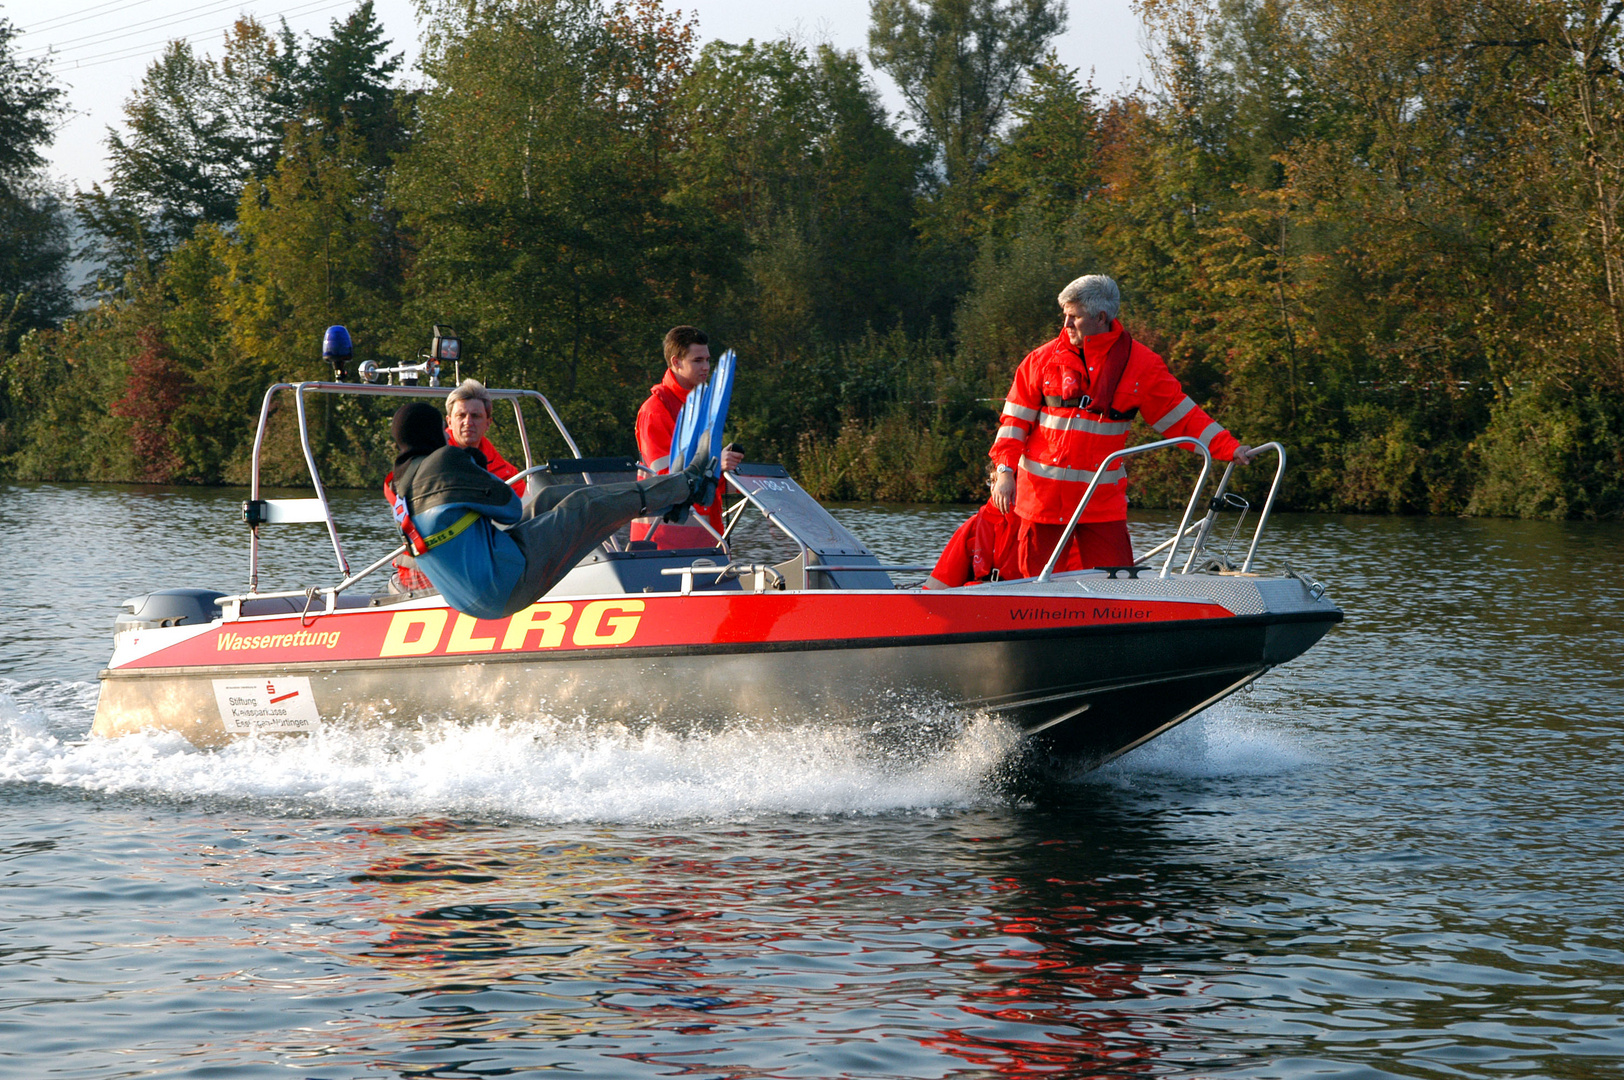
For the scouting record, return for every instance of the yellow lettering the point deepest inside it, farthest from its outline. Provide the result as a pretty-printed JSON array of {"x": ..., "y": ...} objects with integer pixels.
[
  {"x": 429, "y": 624},
  {"x": 621, "y": 628},
  {"x": 549, "y": 619},
  {"x": 463, "y": 639}
]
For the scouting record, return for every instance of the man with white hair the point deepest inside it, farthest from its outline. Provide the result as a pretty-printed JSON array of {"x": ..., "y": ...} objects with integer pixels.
[
  {"x": 1070, "y": 407},
  {"x": 469, "y": 412}
]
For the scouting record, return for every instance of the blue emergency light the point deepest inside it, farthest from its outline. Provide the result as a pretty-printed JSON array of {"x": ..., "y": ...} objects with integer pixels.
[{"x": 336, "y": 349}]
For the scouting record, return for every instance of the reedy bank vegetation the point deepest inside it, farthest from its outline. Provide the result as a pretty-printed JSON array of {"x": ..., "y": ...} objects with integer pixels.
[{"x": 1386, "y": 234}]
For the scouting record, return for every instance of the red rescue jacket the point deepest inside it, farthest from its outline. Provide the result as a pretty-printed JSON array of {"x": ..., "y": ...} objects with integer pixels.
[
  {"x": 982, "y": 546},
  {"x": 1056, "y": 444}
]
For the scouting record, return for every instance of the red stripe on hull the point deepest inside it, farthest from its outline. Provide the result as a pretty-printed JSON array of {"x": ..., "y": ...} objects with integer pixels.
[{"x": 657, "y": 621}]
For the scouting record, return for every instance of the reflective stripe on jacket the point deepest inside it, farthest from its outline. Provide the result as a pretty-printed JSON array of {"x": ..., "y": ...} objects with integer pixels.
[{"x": 1057, "y": 450}]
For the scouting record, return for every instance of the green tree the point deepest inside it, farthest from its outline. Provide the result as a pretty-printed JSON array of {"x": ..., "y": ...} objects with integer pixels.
[
  {"x": 196, "y": 130},
  {"x": 34, "y": 241},
  {"x": 311, "y": 248},
  {"x": 958, "y": 64},
  {"x": 263, "y": 73},
  {"x": 183, "y": 162},
  {"x": 345, "y": 86},
  {"x": 1046, "y": 162},
  {"x": 792, "y": 150},
  {"x": 35, "y": 246},
  {"x": 29, "y": 104},
  {"x": 535, "y": 196}
]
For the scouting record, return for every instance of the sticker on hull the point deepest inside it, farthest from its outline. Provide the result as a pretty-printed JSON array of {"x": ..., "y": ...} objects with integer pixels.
[{"x": 259, "y": 706}]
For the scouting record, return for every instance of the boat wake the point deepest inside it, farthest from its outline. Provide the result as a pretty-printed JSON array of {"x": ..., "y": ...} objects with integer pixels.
[
  {"x": 572, "y": 770},
  {"x": 1228, "y": 740},
  {"x": 541, "y": 768}
]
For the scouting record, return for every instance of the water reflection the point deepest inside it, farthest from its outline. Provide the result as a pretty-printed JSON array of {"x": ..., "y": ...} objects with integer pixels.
[
  {"x": 1397, "y": 857},
  {"x": 961, "y": 939}
]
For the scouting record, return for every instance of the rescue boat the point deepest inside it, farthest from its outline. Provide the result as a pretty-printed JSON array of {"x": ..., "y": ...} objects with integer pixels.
[{"x": 1091, "y": 663}]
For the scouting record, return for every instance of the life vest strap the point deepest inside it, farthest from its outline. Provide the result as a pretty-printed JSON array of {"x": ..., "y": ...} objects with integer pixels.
[
  {"x": 1109, "y": 375},
  {"x": 450, "y": 532},
  {"x": 416, "y": 542}
]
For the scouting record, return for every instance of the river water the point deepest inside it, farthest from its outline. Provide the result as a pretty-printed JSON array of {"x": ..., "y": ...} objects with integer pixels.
[{"x": 1398, "y": 856}]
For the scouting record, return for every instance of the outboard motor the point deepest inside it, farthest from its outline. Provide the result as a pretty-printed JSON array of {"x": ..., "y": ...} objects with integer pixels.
[{"x": 168, "y": 607}]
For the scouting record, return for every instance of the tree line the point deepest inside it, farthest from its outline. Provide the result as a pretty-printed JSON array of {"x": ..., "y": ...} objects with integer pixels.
[{"x": 1385, "y": 234}]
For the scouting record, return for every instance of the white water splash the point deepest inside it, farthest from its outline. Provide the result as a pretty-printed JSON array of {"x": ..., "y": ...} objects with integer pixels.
[
  {"x": 1223, "y": 741},
  {"x": 549, "y": 769},
  {"x": 541, "y": 768}
]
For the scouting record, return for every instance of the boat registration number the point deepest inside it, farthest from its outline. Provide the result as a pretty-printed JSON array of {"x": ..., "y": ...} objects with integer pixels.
[{"x": 252, "y": 706}]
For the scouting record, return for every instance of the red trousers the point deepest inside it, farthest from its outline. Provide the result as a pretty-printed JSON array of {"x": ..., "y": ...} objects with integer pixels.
[{"x": 1092, "y": 543}]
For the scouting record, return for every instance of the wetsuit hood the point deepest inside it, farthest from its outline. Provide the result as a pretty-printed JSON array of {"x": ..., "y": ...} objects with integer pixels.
[{"x": 417, "y": 429}]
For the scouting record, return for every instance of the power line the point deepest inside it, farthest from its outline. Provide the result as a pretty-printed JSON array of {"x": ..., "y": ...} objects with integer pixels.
[
  {"x": 80, "y": 16},
  {"x": 98, "y": 37},
  {"x": 66, "y": 64},
  {"x": 94, "y": 39}
]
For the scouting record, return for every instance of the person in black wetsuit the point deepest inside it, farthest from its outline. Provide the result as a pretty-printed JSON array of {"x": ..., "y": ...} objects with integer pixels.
[{"x": 449, "y": 509}]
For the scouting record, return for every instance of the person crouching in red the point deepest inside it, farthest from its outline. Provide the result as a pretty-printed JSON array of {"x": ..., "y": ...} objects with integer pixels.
[
  {"x": 1069, "y": 408},
  {"x": 982, "y": 549}
]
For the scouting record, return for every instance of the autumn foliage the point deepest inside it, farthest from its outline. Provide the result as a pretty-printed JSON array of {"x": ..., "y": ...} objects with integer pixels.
[
  {"x": 154, "y": 392},
  {"x": 1384, "y": 233}
]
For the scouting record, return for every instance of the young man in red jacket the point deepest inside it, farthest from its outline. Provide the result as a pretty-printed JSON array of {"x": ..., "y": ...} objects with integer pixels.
[
  {"x": 1069, "y": 407},
  {"x": 687, "y": 364}
]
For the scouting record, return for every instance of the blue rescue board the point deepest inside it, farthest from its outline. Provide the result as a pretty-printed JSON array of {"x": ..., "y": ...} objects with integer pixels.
[{"x": 703, "y": 416}]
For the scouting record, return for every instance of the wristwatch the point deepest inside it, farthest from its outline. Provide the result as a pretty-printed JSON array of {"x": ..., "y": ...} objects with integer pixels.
[{"x": 1004, "y": 468}]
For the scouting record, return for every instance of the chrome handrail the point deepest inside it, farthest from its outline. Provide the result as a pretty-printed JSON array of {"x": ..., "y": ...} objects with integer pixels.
[
  {"x": 1218, "y": 495},
  {"x": 1204, "y": 526},
  {"x": 1159, "y": 548},
  {"x": 1268, "y": 504},
  {"x": 315, "y": 479},
  {"x": 1122, "y": 455},
  {"x": 300, "y": 389}
]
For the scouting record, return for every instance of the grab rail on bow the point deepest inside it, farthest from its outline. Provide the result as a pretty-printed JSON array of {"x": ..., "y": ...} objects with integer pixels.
[{"x": 1105, "y": 467}]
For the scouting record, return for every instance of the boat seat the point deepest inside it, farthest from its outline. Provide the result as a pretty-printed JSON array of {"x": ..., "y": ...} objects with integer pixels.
[
  {"x": 578, "y": 472},
  {"x": 295, "y": 605}
]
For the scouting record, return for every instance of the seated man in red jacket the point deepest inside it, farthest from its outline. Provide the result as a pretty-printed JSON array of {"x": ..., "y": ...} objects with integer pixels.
[
  {"x": 687, "y": 365},
  {"x": 469, "y": 411},
  {"x": 983, "y": 549},
  {"x": 1070, "y": 406}
]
